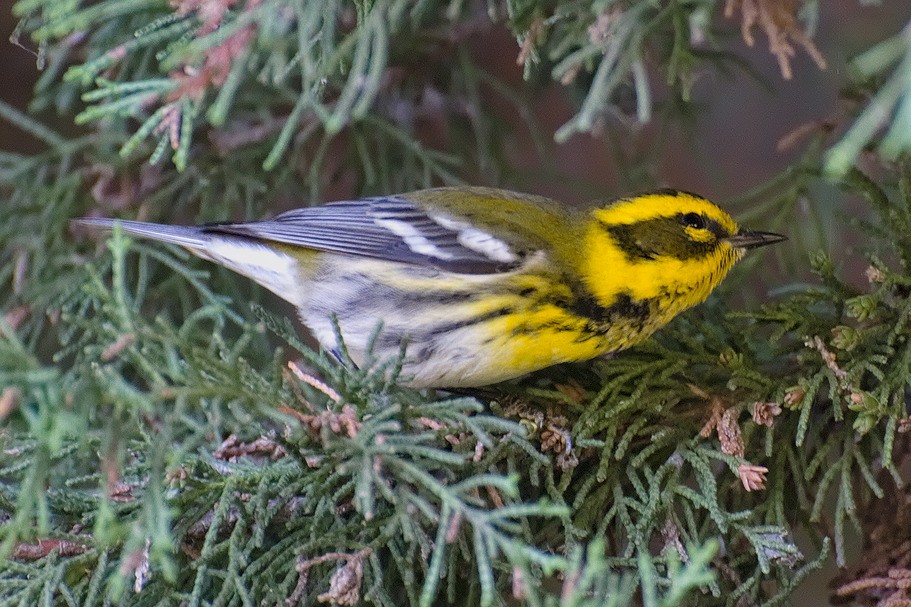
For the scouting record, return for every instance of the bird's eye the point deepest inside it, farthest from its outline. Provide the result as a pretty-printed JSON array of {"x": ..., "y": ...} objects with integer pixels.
[{"x": 694, "y": 220}]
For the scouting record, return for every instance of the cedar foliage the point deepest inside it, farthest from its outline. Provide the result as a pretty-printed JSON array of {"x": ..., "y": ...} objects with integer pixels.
[{"x": 158, "y": 449}]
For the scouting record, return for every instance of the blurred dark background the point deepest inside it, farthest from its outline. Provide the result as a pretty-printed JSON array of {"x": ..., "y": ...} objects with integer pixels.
[{"x": 729, "y": 147}]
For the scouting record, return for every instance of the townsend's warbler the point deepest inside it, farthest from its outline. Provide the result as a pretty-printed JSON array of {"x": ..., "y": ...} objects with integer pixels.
[{"x": 482, "y": 284}]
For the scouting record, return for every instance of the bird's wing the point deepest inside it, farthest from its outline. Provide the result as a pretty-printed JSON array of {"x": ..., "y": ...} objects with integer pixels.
[{"x": 394, "y": 228}]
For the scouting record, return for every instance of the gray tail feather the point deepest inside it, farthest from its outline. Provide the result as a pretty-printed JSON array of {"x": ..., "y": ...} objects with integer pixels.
[{"x": 185, "y": 236}]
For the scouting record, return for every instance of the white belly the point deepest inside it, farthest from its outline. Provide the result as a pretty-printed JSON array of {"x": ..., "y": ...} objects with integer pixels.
[{"x": 367, "y": 309}]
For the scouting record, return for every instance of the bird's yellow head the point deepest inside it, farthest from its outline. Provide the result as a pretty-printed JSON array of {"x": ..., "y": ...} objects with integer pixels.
[{"x": 667, "y": 247}]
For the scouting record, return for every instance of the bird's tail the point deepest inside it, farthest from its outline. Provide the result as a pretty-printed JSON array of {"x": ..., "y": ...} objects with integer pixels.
[
  {"x": 254, "y": 258},
  {"x": 185, "y": 236}
]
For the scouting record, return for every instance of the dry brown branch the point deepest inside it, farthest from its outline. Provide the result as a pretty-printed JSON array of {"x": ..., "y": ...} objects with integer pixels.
[
  {"x": 752, "y": 477},
  {"x": 551, "y": 427},
  {"x": 137, "y": 563},
  {"x": 346, "y": 422},
  {"x": 881, "y": 576},
  {"x": 764, "y": 413},
  {"x": 232, "y": 448},
  {"x": 15, "y": 317},
  {"x": 9, "y": 401},
  {"x": 531, "y": 39},
  {"x": 117, "y": 347},
  {"x": 778, "y": 19},
  {"x": 314, "y": 382},
  {"x": 345, "y": 583},
  {"x": 723, "y": 421},
  {"x": 33, "y": 552}
]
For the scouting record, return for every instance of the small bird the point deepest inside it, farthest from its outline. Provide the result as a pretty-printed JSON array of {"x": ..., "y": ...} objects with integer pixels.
[{"x": 483, "y": 285}]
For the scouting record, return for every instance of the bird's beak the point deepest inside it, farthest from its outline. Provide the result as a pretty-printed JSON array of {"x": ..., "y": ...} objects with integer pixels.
[{"x": 747, "y": 239}]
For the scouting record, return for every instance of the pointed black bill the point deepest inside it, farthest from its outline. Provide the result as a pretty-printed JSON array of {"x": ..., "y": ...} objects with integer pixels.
[{"x": 747, "y": 239}]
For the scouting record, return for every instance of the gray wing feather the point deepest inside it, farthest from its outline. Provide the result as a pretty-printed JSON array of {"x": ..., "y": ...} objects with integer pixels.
[
  {"x": 185, "y": 236},
  {"x": 389, "y": 228}
]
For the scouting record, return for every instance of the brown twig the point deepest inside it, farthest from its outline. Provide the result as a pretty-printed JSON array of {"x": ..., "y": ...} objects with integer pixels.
[
  {"x": 232, "y": 448},
  {"x": 9, "y": 400},
  {"x": 881, "y": 576},
  {"x": 33, "y": 552},
  {"x": 117, "y": 347},
  {"x": 723, "y": 421},
  {"x": 314, "y": 382},
  {"x": 778, "y": 19},
  {"x": 531, "y": 39},
  {"x": 345, "y": 583}
]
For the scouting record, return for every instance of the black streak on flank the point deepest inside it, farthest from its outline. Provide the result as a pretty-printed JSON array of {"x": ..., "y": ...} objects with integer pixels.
[
  {"x": 627, "y": 307},
  {"x": 585, "y": 314},
  {"x": 391, "y": 339},
  {"x": 474, "y": 320},
  {"x": 624, "y": 310},
  {"x": 584, "y": 305}
]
